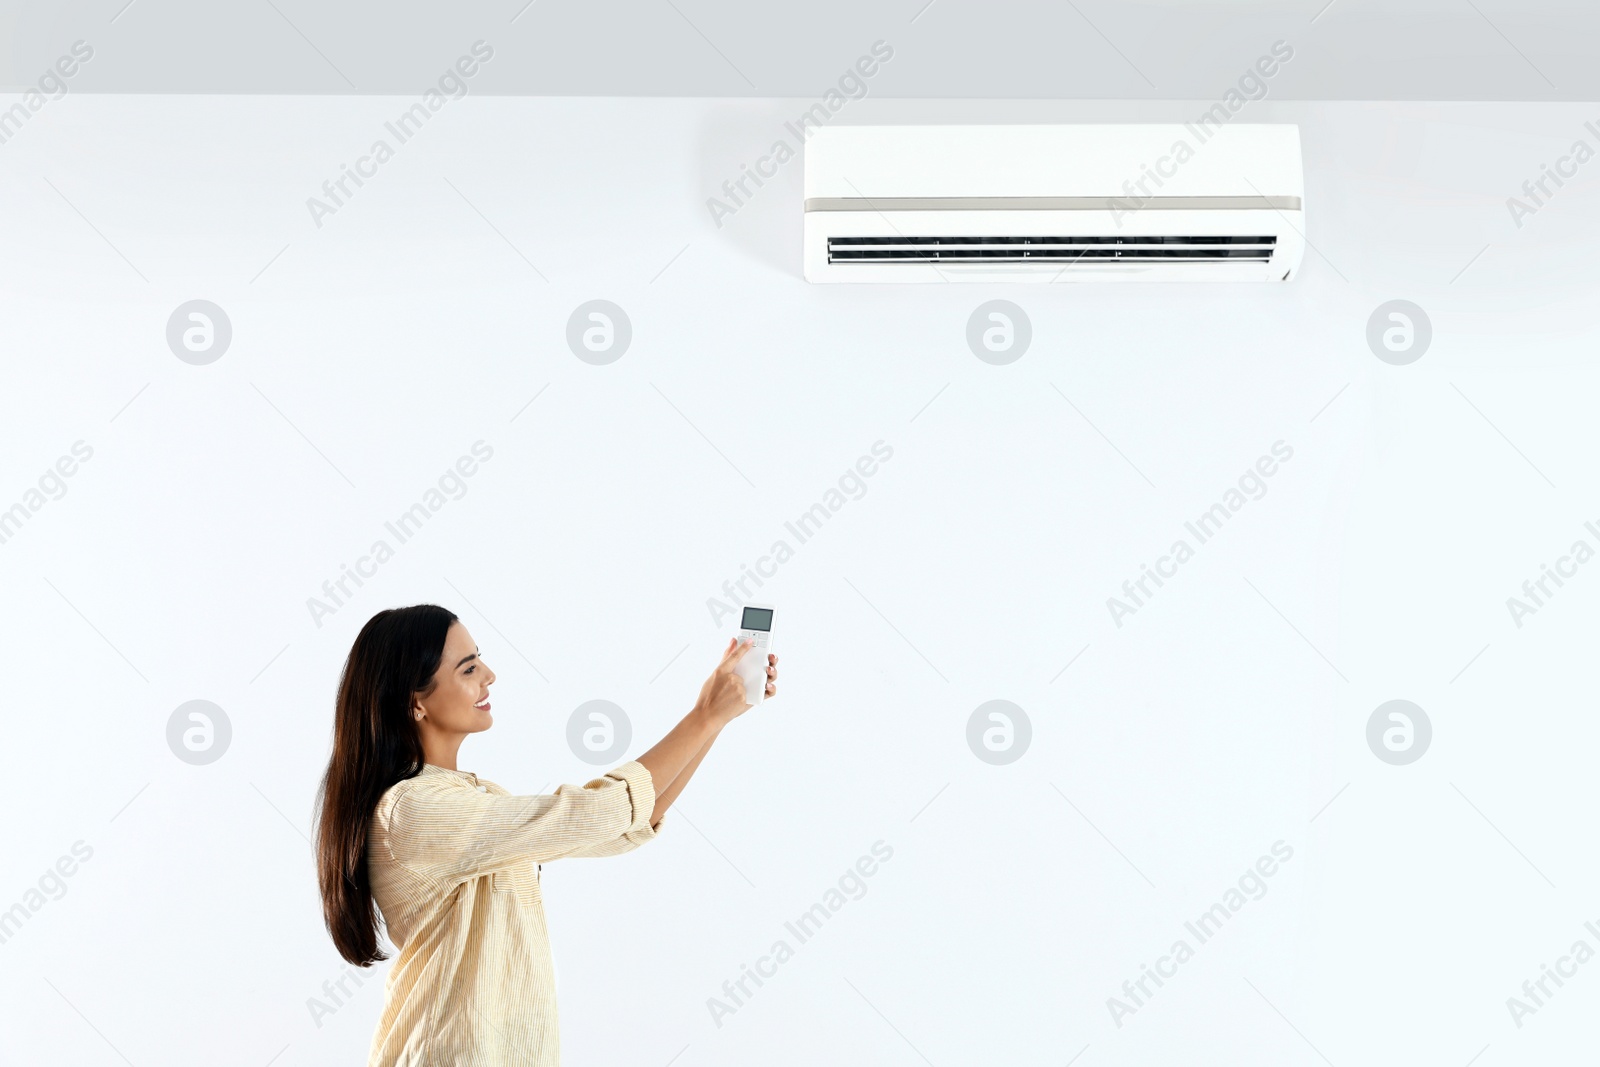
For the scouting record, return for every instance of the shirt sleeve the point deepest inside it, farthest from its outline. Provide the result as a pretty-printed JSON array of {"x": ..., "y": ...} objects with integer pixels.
[
  {"x": 636, "y": 834},
  {"x": 454, "y": 834}
]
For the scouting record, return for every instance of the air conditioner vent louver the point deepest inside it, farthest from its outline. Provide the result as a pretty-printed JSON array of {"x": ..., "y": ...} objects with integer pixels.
[{"x": 1091, "y": 250}]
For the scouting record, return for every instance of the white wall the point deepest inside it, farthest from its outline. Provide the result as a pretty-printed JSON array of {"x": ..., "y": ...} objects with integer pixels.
[{"x": 1228, "y": 714}]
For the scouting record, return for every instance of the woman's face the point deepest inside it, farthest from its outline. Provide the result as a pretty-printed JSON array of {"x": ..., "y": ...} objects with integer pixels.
[{"x": 459, "y": 703}]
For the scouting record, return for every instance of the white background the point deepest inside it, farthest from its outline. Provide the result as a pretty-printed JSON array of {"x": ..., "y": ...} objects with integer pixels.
[{"x": 1169, "y": 756}]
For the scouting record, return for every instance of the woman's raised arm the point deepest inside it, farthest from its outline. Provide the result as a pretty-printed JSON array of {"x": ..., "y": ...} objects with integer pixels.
[{"x": 673, "y": 759}]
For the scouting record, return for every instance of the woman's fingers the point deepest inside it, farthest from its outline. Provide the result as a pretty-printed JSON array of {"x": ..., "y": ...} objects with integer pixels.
[{"x": 735, "y": 650}]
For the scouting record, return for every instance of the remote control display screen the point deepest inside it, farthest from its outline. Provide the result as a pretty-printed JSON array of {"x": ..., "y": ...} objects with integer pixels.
[{"x": 757, "y": 619}]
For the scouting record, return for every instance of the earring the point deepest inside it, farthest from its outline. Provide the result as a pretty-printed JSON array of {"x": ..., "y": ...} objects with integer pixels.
[{"x": 419, "y": 716}]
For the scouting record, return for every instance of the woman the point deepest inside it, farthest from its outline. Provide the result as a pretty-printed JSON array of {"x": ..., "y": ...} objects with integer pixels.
[{"x": 453, "y": 861}]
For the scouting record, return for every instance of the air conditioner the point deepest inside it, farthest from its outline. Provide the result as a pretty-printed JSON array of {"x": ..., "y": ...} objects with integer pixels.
[{"x": 1206, "y": 202}]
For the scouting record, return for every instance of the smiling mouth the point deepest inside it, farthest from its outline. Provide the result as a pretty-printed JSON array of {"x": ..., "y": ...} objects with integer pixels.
[{"x": 482, "y": 705}]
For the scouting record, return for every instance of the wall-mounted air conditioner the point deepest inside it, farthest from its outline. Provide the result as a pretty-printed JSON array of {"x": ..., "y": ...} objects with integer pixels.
[{"x": 1053, "y": 203}]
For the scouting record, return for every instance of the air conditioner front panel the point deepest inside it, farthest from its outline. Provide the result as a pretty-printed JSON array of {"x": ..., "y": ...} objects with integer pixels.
[{"x": 1088, "y": 159}]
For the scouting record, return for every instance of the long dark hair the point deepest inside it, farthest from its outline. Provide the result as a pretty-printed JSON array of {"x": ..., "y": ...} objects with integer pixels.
[{"x": 375, "y": 745}]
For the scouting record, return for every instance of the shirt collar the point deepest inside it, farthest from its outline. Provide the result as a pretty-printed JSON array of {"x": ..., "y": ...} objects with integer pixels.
[{"x": 434, "y": 768}]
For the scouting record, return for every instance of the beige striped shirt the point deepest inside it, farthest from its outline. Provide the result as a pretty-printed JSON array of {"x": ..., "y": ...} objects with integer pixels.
[{"x": 454, "y": 864}]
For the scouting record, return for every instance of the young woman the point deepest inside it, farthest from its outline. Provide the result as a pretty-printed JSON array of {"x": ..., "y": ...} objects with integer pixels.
[{"x": 453, "y": 861}]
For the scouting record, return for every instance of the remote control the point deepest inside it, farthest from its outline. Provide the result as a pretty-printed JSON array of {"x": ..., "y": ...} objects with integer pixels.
[{"x": 756, "y": 625}]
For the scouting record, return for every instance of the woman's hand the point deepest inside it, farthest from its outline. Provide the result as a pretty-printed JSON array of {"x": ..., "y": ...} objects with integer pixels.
[
  {"x": 722, "y": 695},
  {"x": 772, "y": 675}
]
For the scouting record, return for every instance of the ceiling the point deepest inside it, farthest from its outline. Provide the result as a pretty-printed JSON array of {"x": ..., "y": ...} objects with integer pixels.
[{"x": 1065, "y": 49}]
